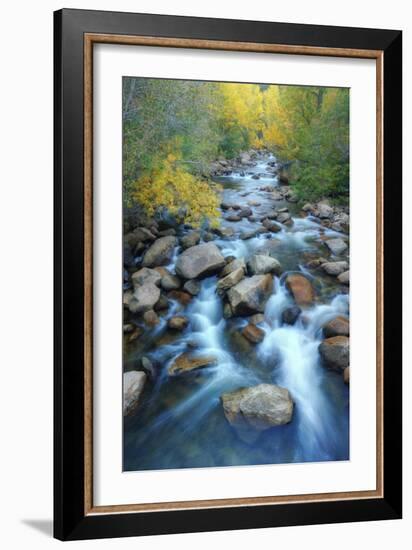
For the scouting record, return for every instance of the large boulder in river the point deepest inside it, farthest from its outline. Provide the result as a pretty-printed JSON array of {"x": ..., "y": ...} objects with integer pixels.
[
  {"x": 160, "y": 252},
  {"x": 301, "y": 289},
  {"x": 253, "y": 410},
  {"x": 259, "y": 264},
  {"x": 335, "y": 352},
  {"x": 199, "y": 261},
  {"x": 337, "y": 327},
  {"x": 336, "y": 246},
  {"x": 250, "y": 295},
  {"x": 144, "y": 298},
  {"x": 133, "y": 384}
]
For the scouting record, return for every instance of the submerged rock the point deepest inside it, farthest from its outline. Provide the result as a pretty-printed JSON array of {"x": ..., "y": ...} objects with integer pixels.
[
  {"x": 253, "y": 333},
  {"x": 256, "y": 409},
  {"x": 335, "y": 352},
  {"x": 250, "y": 295},
  {"x": 290, "y": 315},
  {"x": 337, "y": 327},
  {"x": 199, "y": 261},
  {"x": 260, "y": 264},
  {"x": 160, "y": 252},
  {"x": 187, "y": 363},
  {"x": 301, "y": 289},
  {"x": 133, "y": 384},
  {"x": 178, "y": 322}
]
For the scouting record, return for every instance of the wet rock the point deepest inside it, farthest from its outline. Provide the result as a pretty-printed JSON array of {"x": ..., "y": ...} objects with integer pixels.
[
  {"x": 246, "y": 235},
  {"x": 255, "y": 177},
  {"x": 245, "y": 212},
  {"x": 191, "y": 239},
  {"x": 230, "y": 280},
  {"x": 301, "y": 289},
  {"x": 250, "y": 295},
  {"x": 184, "y": 298},
  {"x": 253, "y": 333},
  {"x": 232, "y": 266},
  {"x": 344, "y": 278},
  {"x": 335, "y": 268},
  {"x": 192, "y": 287},
  {"x": 227, "y": 311},
  {"x": 336, "y": 246},
  {"x": 160, "y": 252},
  {"x": 144, "y": 298},
  {"x": 178, "y": 322},
  {"x": 168, "y": 281},
  {"x": 271, "y": 226},
  {"x": 324, "y": 211},
  {"x": 146, "y": 275},
  {"x": 128, "y": 328},
  {"x": 346, "y": 375},
  {"x": 208, "y": 236},
  {"x": 285, "y": 218},
  {"x": 199, "y": 261},
  {"x": 230, "y": 206},
  {"x": 151, "y": 318},
  {"x": 337, "y": 327},
  {"x": 335, "y": 352},
  {"x": 187, "y": 362},
  {"x": 162, "y": 304},
  {"x": 253, "y": 203},
  {"x": 260, "y": 264},
  {"x": 256, "y": 318},
  {"x": 225, "y": 232},
  {"x": 149, "y": 367},
  {"x": 256, "y": 409},
  {"x": 290, "y": 315},
  {"x": 233, "y": 218},
  {"x": 133, "y": 384}
]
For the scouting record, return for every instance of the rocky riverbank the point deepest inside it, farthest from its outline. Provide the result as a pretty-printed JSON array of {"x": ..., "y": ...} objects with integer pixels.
[{"x": 273, "y": 269}]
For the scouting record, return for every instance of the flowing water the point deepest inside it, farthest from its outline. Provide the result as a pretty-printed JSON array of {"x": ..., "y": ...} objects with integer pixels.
[{"x": 180, "y": 423}]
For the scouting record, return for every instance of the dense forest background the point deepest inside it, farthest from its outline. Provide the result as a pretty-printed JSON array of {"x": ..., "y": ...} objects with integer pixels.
[{"x": 173, "y": 130}]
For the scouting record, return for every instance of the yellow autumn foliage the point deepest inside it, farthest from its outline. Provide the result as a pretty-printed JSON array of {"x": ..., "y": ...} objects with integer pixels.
[{"x": 189, "y": 199}]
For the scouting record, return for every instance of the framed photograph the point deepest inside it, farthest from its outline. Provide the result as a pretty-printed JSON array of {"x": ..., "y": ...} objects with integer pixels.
[{"x": 227, "y": 274}]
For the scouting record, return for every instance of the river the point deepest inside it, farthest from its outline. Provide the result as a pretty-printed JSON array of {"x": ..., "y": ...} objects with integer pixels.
[{"x": 180, "y": 422}]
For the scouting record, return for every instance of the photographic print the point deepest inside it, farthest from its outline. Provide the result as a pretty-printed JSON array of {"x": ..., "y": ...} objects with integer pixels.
[{"x": 235, "y": 274}]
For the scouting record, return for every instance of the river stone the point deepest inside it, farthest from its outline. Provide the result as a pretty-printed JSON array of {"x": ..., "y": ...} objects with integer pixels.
[
  {"x": 252, "y": 233},
  {"x": 335, "y": 352},
  {"x": 253, "y": 410},
  {"x": 245, "y": 212},
  {"x": 284, "y": 217},
  {"x": 178, "y": 322},
  {"x": 233, "y": 218},
  {"x": 199, "y": 261},
  {"x": 325, "y": 211},
  {"x": 271, "y": 226},
  {"x": 230, "y": 280},
  {"x": 225, "y": 232},
  {"x": 192, "y": 287},
  {"x": 187, "y": 363},
  {"x": 227, "y": 311},
  {"x": 344, "y": 278},
  {"x": 335, "y": 268},
  {"x": 337, "y": 327},
  {"x": 259, "y": 264},
  {"x": 151, "y": 318},
  {"x": 346, "y": 375},
  {"x": 250, "y": 295},
  {"x": 168, "y": 280},
  {"x": 139, "y": 235},
  {"x": 336, "y": 246},
  {"x": 290, "y": 315},
  {"x": 144, "y": 298},
  {"x": 256, "y": 318},
  {"x": 184, "y": 298},
  {"x": 191, "y": 239},
  {"x": 160, "y": 252},
  {"x": 301, "y": 289},
  {"x": 133, "y": 384},
  {"x": 253, "y": 333},
  {"x": 146, "y": 275},
  {"x": 232, "y": 266}
]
